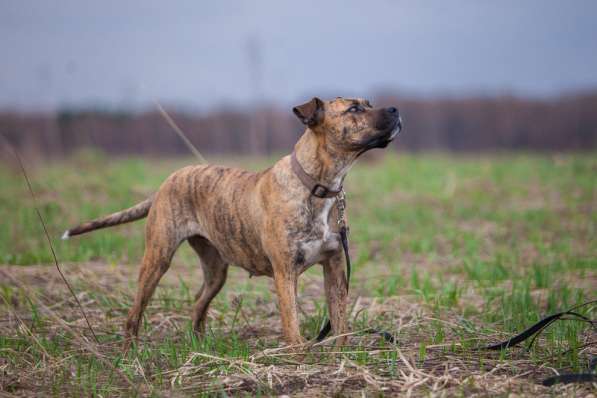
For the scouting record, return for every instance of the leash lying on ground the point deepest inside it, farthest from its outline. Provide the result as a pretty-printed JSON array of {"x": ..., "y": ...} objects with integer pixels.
[{"x": 533, "y": 331}]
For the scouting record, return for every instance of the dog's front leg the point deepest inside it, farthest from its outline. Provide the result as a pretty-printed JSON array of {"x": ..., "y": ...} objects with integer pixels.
[
  {"x": 285, "y": 279},
  {"x": 336, "y": 292}
]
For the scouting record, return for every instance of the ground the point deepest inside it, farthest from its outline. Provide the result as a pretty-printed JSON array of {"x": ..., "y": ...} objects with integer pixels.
[{"x": 450, "y": 253}]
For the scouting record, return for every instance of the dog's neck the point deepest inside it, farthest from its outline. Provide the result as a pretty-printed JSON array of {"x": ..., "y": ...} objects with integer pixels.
[{"x": 320, "y": 161}]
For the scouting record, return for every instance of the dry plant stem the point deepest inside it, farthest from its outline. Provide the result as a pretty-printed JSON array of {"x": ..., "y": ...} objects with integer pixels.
[
  {"x": 41, "y": 220},
  {"x": 180, "y": 133}
]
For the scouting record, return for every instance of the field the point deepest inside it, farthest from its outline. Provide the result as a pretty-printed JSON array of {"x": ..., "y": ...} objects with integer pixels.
[{"x": 450, "y": 253}]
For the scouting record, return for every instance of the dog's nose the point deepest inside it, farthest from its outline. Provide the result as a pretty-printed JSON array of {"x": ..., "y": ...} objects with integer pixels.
[{"x": 392, "y": 110}]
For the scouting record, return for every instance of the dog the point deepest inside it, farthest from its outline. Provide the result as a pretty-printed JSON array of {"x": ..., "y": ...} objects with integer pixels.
[{"x": 277, "y": 222}]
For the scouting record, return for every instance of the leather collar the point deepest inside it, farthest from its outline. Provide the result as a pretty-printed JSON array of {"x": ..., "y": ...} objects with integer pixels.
[{"x": 318, "y": 190}]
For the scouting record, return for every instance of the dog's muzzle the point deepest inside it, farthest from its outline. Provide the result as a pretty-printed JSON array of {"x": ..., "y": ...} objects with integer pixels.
[{"x": 384, "y": 137}]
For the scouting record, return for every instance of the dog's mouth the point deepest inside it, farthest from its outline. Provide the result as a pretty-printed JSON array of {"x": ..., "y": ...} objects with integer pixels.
[
  {"x": 393, "y": 131},
  {"x": 383, "y": 138}
]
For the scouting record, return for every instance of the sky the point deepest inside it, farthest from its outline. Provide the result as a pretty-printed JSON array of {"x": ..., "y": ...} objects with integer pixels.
[{"x": 205, "y": 54}]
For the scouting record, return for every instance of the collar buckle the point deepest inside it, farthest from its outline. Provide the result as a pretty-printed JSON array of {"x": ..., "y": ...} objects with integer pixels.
[
  {"x": 315, "y": 189},
  {"x": 320, "y": 191}
]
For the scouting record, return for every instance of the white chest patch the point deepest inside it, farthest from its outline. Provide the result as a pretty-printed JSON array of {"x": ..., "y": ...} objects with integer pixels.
[{"x": 326, "y": 241}]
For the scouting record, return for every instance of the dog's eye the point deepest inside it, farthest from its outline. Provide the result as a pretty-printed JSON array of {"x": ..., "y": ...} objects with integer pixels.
[{"x": 355, "y": 109}]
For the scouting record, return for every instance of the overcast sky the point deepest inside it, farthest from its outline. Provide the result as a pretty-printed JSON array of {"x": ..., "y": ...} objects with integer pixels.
[{"x": 201, "y": 54}]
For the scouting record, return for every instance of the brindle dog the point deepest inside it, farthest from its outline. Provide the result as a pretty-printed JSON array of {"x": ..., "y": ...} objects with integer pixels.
[{"x": 268, "y": 223}]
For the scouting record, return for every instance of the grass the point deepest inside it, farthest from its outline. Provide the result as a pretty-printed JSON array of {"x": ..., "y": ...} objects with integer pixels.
[{"x": 450, "y": 253}]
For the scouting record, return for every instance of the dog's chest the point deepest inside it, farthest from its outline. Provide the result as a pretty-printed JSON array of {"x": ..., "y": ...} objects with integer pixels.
[{"x": 320, "y": 241}]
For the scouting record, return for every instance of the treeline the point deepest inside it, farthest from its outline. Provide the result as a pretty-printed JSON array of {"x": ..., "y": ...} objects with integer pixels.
[{"x": 567, "y": 123}]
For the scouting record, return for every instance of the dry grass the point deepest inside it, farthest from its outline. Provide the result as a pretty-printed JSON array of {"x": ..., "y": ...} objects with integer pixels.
[{"x": 414, "y": 366}]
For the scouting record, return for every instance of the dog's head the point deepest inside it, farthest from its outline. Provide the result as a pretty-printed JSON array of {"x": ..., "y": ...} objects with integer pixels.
[{"x": 350, "y": 125}]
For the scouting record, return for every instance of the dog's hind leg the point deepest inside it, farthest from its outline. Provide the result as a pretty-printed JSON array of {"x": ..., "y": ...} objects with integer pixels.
[
  {"x": 215, "y": 270},
  {"x": 161, "y": 241}
]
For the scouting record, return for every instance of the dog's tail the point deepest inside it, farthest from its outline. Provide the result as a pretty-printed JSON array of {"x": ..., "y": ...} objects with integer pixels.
[{"x": 134, "y": 213}]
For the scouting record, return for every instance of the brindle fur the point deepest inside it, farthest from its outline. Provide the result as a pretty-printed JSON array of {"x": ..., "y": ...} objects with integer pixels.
[{"x": 267, "y": 223}]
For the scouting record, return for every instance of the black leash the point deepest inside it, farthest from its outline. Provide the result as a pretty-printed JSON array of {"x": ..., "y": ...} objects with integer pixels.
[
  {"x": 533, "y": 331},
  {"x": 536, "y": 329},
  {"x": 568, "y": 378}
]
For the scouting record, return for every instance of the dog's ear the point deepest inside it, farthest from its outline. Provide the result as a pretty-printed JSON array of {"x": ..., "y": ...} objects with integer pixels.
[{"x": 310, "y": 113}]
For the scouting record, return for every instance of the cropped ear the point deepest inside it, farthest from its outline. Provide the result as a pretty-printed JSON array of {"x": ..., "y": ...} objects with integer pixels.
[{"x": 310, "y": 113}]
